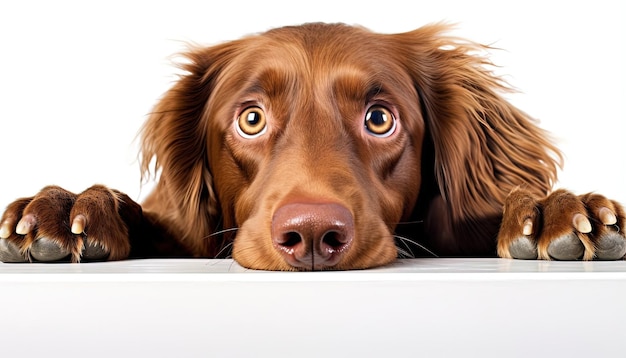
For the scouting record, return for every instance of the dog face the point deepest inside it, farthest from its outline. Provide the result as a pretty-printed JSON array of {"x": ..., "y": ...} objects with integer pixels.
[{"x": 315, "y": 142}]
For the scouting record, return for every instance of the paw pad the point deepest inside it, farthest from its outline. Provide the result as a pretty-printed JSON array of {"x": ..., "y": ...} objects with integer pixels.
[
  {"x": 9, "y": 252},
  {"x": 611, "y": 246},
  {"x": 523, "y": 248},
  {"x": 47, "y": 250},
  {"x": 567, "y": 247}
]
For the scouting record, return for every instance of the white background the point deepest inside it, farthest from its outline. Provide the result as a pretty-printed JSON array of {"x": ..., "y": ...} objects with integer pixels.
[{"x": 77, "y": 79}]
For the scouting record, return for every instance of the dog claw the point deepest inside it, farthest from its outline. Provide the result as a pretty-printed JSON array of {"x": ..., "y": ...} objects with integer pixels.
[
  {"x": 5, "y": 230},
  {"x": 527, "y": 230},
  {"x": 78, "y": 225},
  {"x": 607, "y": 217},
  {"x": 581, "y": 223},
  {"x": 25, "y": 225}
]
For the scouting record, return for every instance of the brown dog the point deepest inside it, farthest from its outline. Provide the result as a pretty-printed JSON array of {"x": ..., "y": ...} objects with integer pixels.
[{"x": 330, "y": 147}]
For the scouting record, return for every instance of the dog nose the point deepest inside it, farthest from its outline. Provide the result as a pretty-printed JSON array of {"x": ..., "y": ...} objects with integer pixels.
[{"x": 312, "y": 235}]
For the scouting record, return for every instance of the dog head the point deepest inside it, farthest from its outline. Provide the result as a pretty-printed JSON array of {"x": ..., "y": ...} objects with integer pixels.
[{"x": 315, "y": 141}]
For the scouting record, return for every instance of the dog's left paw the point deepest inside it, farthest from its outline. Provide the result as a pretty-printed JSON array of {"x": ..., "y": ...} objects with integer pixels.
[{"x": 562, "y": 226}]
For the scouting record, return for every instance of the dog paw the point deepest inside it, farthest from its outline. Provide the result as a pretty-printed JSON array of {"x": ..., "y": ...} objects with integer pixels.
[
  {"x": 57, "y": 225},
  {"x": 562, "y": 226}
]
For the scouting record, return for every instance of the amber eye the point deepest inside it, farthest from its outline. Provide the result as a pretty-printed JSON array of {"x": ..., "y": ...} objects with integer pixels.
[
  {"x": 379, "y": 121},
  {"x": 251, "y": 122}
]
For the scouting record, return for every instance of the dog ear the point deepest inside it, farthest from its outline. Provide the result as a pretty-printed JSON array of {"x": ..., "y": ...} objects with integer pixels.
[
  {"x": 483, "y": 146},
  {"x": 174, "y": 148}
]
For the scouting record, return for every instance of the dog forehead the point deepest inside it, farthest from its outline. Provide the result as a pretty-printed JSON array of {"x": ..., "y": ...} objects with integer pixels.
[
  {"x": 324, "y": 56},
  {"x": 318, "y": 46}
]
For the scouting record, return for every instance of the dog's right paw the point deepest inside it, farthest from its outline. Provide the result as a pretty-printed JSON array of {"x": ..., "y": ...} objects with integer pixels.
[{"x": 57, "y": 225}]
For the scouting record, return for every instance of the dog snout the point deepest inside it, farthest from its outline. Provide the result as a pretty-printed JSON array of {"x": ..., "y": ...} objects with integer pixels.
[{"x": 312, "y": 235}]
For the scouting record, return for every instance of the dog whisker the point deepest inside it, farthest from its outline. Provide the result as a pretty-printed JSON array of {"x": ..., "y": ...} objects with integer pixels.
[
  {"x": 404, "y": 254},
  {"x": 404, "y": 240},
  {"x": 410, "y": 222},
  {"x": 227, "y": 250},
  {"x": 404, "y": 251},
  {"x": 220, "y": 232}
]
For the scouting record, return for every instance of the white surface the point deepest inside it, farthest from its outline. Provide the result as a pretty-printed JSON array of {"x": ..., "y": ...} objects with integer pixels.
[
  {"x": 422, "y": 267},
  {"x": 213, "y": 308}
]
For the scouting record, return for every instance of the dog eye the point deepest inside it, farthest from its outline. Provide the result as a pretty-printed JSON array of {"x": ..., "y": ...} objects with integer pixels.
[
  {"x": 379, "y": 121},
  {"x": 251, "y": 122}
]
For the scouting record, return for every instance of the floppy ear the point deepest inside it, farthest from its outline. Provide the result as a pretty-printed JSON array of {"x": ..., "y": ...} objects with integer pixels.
[
  {"x": 174, "y": 147},
  {"x": 483, "y": 145}
]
